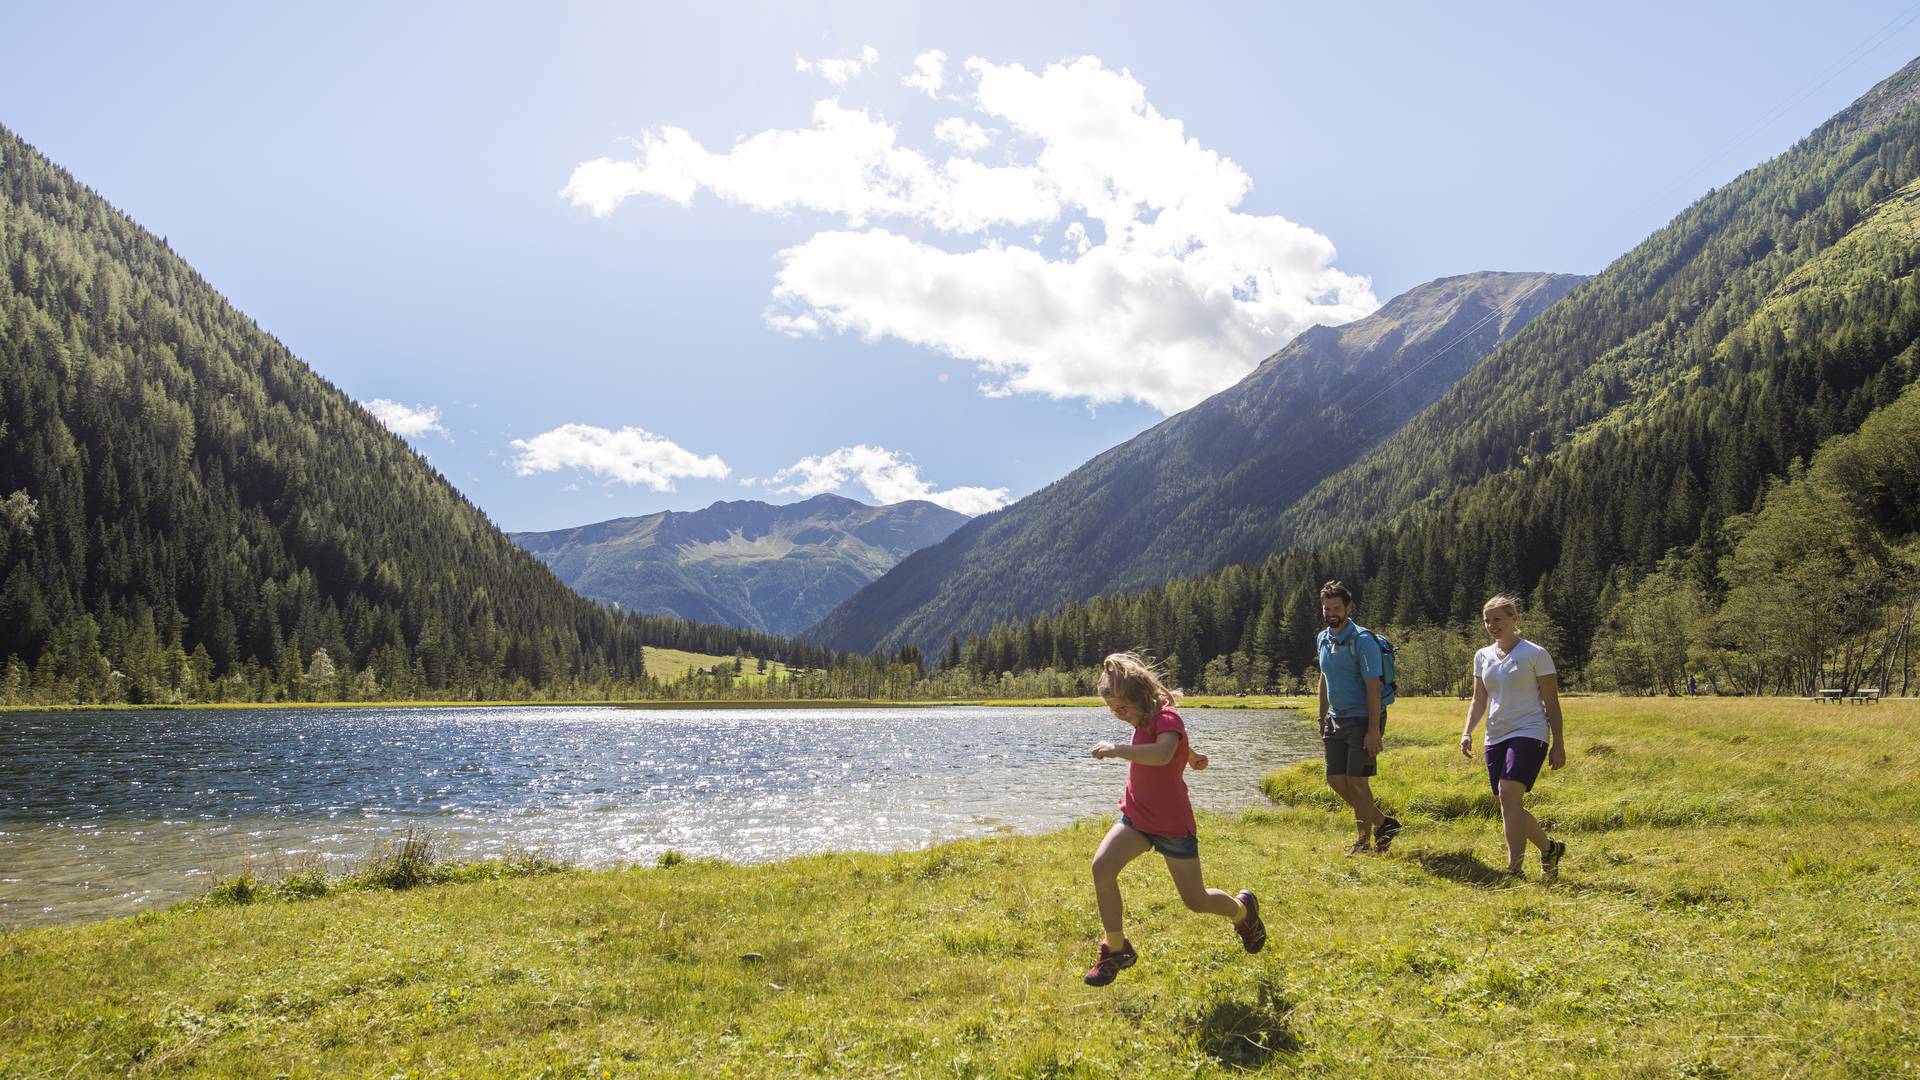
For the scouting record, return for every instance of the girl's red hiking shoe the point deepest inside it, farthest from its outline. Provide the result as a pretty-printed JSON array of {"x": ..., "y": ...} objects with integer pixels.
[{"x": 1111, "y": 963}]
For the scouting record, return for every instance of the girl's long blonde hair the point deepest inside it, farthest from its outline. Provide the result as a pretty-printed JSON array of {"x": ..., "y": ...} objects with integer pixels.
[{"x": 1126, "y": 677}]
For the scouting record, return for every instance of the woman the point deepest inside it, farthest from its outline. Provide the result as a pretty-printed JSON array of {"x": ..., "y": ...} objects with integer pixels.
[{"x": 1516, "y": 688}]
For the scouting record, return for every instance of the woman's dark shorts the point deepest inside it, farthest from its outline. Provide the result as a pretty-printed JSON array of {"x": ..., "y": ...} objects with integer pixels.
[
  {"x": 1518, "y": 759},
  {"x": 1346, "y": 746},
  {"x": 1173, "y": 847}
]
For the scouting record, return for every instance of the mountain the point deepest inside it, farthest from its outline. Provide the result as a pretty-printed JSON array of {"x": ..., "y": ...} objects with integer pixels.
[
  {"x": 1656, "y": 403},
  {"x": 748, "y": 564},
  {"x": 1638, "y": 424},
  {"x": 188, "y": 512},
  {"x": 1207, "y": 486}
]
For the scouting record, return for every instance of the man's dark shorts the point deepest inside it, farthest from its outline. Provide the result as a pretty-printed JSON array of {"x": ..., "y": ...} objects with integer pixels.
[
  {"x": 1173, "y": 847},
  {"x": 1518, "y": 759},
  {"x": 1346, "y": 745}
]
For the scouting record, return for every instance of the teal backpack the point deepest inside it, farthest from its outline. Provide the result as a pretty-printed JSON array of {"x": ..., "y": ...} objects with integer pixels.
[{"x": 1386, "y": 665}]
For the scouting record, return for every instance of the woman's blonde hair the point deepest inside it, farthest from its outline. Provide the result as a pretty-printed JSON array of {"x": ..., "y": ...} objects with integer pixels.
[
  {"x": 1126, "y": 677},
  {"x": 1502, "y": 601}
]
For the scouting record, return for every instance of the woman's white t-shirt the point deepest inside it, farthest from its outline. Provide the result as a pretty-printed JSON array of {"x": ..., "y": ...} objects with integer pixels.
[{"x": 1513, "y": 691}]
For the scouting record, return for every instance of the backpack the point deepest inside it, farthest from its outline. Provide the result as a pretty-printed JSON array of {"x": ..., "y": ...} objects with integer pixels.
[{"x": 1386, "y": 665}]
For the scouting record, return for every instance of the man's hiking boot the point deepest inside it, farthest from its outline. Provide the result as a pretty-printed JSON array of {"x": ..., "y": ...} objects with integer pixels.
[
  {"x": 1253, "y": 932},
  {"x": 1110, "y": 964},
  {"x": 1384, "y": 832},
  {"x": 1550, "y": 860}
]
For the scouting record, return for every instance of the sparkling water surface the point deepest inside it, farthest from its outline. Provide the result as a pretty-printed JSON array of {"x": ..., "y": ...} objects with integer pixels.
[{"x": 114, "y": 813}]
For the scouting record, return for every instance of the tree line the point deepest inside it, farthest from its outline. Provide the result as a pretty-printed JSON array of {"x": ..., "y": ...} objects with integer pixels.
[{"x": 188, "y": 512}]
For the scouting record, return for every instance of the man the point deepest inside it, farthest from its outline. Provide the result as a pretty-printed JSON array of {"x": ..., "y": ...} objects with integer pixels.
[{"x": 1351, "y": 716}]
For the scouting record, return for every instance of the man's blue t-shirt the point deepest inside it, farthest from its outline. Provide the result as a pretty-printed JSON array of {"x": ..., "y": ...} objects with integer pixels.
[{"x": 1346, "y": 692}]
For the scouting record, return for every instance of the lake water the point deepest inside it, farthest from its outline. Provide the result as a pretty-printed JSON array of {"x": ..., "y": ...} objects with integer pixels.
[{"x": 114, "y": 813}]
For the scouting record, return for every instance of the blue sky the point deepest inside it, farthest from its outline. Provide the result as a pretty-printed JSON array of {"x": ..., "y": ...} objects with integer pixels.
[{"x": 1121, "y": 210}]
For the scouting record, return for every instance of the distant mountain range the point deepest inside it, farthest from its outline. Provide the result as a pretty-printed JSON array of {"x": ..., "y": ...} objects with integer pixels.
[
  {"x": 184, "y": 502},
  {"x": 748, "y": 564},
  {"x": 1644, "y": 421},
  {"x": 1206, "y": 487}
]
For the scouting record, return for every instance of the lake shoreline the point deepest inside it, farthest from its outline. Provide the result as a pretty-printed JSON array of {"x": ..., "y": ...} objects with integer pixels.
[
  {"x": 1732, "y": 924},
  {"x": 1195, "y": 701}
]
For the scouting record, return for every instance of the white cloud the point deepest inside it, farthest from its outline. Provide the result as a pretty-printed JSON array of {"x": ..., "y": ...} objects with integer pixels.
[
  {"x": 929, "y": 72},
  {"x": 1163, "y": 290},
  {"x": 631, "y": 455},
  {"x": 847, "y": 163},
  {"x": 406, "y": 420},
  {"x": 963, "y": 135},
  {"x": 838, "y": 72},
  {"x": 888, "y": 477}
]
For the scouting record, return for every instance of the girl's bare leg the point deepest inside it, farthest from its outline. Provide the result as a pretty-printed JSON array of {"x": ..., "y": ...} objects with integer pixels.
[
  {"x": 1121, "y": 846},
  {"x": 1195, "y": 894}
]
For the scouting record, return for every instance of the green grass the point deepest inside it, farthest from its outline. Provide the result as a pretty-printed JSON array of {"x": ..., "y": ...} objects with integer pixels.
[
  {"x": 1188, "y": 701},
  {"x": 1738, "y": 900},
  {"x": 669, "y": 664}
]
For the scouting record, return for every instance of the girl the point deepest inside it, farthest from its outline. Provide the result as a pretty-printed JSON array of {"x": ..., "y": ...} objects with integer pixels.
[
  {"x": 1516, "y": 687},
  {"x": 1154, "y": 815}
]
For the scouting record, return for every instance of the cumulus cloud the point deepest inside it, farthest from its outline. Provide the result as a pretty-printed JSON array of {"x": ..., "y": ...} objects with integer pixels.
[
  {"x": 1160, "y": 288},
  {"x": 963, "y": 135},
  {"x": 848, "y": 163},
  {"x": 929, "y": 72},
  {"x": 406, "y": 420},
  {"x": 838, "y": 72},
  {"x": 887, "y": 476},
  {"x": 631, "y": 456}
]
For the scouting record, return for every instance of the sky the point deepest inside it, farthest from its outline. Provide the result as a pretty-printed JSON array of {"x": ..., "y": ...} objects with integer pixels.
[{"x": 600, "y": 260}]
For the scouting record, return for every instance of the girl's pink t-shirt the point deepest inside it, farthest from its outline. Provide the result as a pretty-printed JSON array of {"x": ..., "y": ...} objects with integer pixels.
[{"x": 1156, "y": 797}]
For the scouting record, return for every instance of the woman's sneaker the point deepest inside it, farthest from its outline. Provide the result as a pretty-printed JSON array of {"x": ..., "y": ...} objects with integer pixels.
[
  {"x": 1110, "y": 964},
  {"x": 1550, "y": 859},
  {"x": 1253, "y": 932}
]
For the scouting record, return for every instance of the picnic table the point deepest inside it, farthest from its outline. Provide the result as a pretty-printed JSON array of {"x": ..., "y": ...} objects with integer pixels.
[
  {"x": 1832, "y": 693},
  {"x": 1866, "y": 695}
]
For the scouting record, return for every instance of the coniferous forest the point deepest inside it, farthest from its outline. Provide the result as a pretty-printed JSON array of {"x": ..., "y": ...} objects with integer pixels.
[
  {"x": 188, "y": 512},
  {"x": 1705, "y": 461},
  {"x": 1675, "y": 464}
]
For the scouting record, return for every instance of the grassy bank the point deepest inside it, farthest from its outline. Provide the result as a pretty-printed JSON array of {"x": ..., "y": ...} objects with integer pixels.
[{"x": 1738, "y": 900}]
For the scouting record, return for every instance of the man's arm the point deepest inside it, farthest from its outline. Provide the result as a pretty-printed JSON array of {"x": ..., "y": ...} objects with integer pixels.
[{"x": 1373, "y": 741}]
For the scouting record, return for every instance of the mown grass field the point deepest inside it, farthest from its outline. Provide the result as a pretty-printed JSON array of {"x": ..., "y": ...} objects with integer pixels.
[
  {"x": 1739, "y": 900},
  {"x": 670, "y": 664}
]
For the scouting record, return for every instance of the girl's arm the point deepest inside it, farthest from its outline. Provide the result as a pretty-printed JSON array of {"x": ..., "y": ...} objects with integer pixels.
[
  {"x": 1158, "y": 752},
  {"x": 1550, "y": 700},
  {"x": 1195, "y": 758},
  {"x": 1479, "y": 709}
]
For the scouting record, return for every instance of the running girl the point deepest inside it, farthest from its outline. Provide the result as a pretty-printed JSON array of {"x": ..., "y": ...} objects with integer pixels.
[
  {"x": 1516, "y": 687},
  {"x": 1155, "y": 815}
]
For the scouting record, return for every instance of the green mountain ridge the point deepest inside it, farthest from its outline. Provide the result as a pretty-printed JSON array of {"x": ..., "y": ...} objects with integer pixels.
[
  {"x": 188, "y": 512},
  {"x": 1206, "y": 487},
  {"x": 742, "y": 563},
  {"x": 1642, "y": 418}
]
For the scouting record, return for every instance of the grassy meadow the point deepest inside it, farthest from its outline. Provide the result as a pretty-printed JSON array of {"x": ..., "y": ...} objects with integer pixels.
[
  {"x": 1739, "y": 899},
  {"x": 669, "y": 664}
]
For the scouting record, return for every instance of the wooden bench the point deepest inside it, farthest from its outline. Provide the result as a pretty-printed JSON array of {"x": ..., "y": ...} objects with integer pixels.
[
  {"x": 1834, "y": 694},
  {"x": 1866, "y": 695}
]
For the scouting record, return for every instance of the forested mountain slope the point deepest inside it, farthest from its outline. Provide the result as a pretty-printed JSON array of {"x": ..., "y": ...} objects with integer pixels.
[
  {"x": 188, "y": 511},
  {"x": 1205, "y": 487},
  {"x": 1643, "y": 416},
  {"x": 742, "y": 563}
]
